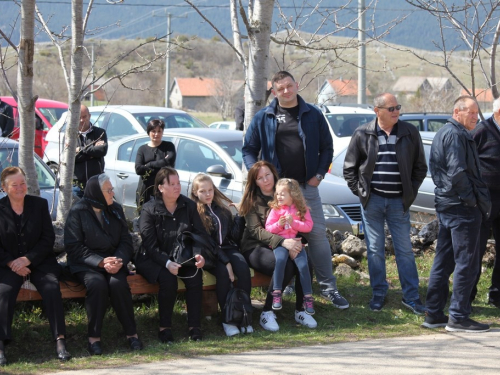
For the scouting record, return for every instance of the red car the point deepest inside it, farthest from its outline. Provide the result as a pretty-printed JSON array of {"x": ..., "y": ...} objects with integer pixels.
[{"x": 47, "y": 112}]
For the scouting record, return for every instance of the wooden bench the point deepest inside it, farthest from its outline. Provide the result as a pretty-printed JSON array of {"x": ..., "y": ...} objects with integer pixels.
[{"x": 139, "y": 285}]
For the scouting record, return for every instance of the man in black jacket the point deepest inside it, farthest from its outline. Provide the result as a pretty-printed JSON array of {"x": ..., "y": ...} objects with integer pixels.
[
  {"x": 487, "y": 138},
  {"x": 384, "y": 166},
  {"x": 6, "y": 119},
  {"x": 462, "y": 200},
  {"x": 92, "y": 146}
]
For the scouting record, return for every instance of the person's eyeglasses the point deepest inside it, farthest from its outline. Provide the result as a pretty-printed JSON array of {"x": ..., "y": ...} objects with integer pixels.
[
  {"x": 392, "y": 109},
  {"x": 109, "y": 191}
]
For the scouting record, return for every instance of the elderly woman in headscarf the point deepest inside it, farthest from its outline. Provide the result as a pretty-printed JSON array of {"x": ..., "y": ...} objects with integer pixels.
[{"x": 99, "y": 247}]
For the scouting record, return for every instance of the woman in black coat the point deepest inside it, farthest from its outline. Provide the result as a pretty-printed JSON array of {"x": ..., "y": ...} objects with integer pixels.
[
  {"x": 26, "y": 254},
  {"x": 160, "y": 223},
  {"x": 150, "y": 158},
  {"x": 99, "y": 248}
]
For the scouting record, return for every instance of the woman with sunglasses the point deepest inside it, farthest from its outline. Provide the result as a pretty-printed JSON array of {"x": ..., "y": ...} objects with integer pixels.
[{"x": 99, "y": 247}]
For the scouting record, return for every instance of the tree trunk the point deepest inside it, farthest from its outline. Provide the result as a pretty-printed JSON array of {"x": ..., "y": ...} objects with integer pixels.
[
  {"x": 74, "y": 100},
  {"x": 25, "y": 99}
]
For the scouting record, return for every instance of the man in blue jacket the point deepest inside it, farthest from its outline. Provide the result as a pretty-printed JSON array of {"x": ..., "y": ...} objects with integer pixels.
[
  {"x": 294, "y": 136},
  {"x": 487, "y": 138},
  {"x": 462, "y": 201}
]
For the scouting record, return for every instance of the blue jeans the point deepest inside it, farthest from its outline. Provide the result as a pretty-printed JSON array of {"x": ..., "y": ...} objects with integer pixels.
[
  {"x": 377, "y": 211},
  {"x": 319, "y": 247},
  {"x": 281, "y": 254},
  {"x": 457, "y": 252}
]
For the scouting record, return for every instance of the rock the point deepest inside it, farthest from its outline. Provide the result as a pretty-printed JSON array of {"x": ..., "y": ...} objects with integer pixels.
[
  {"x": 346, "y": 259},
  {"x": 389, "y": 245},
  {"x": 335, "y": 239},
  {"x": 429, "y": 232},
  {"x": 343, "y": 270},
  {"x": 353, "y": 246},
  {"x": 59, "y": 231},
  {"x": 363, "y": 275}
]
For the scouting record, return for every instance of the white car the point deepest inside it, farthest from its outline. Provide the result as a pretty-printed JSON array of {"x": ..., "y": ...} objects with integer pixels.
[
  {"x": 343, "y": 120},
  {"x": 229, "y": 125},
  {"x": 119, "y": 121}
]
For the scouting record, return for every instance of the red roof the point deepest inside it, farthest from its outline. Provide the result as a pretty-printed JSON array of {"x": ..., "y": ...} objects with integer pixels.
[
  {"x": 482, "y": 95},
  {"x": 346, "y": 87},
  {"x": 197, "y": 86}
]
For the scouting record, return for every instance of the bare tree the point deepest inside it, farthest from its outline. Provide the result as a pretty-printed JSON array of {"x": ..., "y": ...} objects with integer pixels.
[{"x": 477, "y": 22}]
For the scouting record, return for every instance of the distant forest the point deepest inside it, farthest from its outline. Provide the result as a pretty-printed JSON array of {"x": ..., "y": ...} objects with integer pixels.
[{"x": 145, "y": 18}]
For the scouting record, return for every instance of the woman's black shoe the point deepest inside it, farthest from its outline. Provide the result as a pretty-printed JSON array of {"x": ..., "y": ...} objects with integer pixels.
[
  {"x": 95, "y": 348},
  {"x": 62, "y": 353},
  {"x": 166, "y": 336},
  {"x": 135, "y": 343},
  {"x": 195, "y": 334}
]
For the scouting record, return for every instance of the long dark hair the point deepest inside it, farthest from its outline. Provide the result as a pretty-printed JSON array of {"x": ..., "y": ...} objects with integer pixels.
[
  {"x": 251, "y": 188},
  {"x": 162, "y": 175}
]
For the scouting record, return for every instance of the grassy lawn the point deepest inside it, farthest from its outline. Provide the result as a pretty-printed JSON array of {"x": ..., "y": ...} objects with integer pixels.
[
  {"x": 34, "y": 352},
  {"x": 208, "y": 117}
]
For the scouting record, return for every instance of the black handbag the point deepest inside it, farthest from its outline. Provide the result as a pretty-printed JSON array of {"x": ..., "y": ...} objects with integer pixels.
[{"x": 188, "y": 243}]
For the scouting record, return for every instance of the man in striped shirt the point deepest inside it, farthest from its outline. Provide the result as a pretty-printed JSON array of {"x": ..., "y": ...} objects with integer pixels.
[{"x": 384, "y": 166}]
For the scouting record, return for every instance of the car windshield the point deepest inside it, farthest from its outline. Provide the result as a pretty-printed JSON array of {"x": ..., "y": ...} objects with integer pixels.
[
  {"x": 343, "y": 124},
  {"x": 172, "y": 120},
  {"x": 233, "y": 149},
  {"x": 52, "y": 114},
  {"x": 9, "y": 158}
]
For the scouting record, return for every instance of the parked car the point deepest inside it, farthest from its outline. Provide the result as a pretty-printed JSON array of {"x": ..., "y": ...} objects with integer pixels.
[
  {"x": 344, "y": 120},
  {"x": 424, "y": 202},
  {"x": 230, "y": 125},
  {"x": 46, "y": 179},
  {"x": 426, "y": 121},
  {"x": 47, "y": 113},
  {"x": 119, "y": 121},
  {"x": 217, "y": 153}
]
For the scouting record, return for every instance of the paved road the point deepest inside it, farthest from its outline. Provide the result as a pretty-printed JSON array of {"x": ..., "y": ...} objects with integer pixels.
[{"x": 442, "y": 353}]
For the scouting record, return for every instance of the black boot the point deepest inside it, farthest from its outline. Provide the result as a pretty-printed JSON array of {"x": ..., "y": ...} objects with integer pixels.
[
  {"x": 3, "y": 360},
  {"x": 62, "y": 353}
]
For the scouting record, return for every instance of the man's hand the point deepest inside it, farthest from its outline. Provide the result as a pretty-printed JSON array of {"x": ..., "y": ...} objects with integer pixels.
[
  {"x": 314, "y": 181},
  {"x": 18, "y": 264}
]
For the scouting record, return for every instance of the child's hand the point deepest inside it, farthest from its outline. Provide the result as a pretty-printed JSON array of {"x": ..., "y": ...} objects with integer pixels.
[
  {"x": 282, "y": 221},
  {"x": 289, "y": 218}
]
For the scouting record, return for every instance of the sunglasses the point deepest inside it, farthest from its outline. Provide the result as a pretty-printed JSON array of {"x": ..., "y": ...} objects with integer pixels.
[{"x": 392, "y": 109}]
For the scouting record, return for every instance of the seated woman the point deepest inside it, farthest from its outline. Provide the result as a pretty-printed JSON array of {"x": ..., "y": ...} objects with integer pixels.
[
  {"x": 99, "y": 248},
  {"x": 26, "y": 253},
  {"x": 150, "y": 158},
  {"x": 218, "y": 222},
  {"x": 161, "y": 220},
  {"x": 257, "y": 244}
]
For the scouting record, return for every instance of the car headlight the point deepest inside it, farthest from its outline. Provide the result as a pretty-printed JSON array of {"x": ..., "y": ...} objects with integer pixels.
[{"x": 330, "y": 211}]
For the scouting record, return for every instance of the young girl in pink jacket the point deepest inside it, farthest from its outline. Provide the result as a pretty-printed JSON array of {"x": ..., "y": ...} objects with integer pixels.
[{"x": 289, "y": 215}]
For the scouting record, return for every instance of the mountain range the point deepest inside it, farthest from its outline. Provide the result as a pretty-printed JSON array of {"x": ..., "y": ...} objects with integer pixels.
[{"x": 130, "y": 19}]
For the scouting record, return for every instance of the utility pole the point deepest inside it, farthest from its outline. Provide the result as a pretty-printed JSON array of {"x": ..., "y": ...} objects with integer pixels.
[
  {"x": 361, "y": 53},
  {"x": 93, "y": 78},
  {"x": 167, "y": 67}
]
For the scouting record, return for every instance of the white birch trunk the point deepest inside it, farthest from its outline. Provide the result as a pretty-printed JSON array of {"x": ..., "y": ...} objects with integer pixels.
[{"x": 25, "y": 99}]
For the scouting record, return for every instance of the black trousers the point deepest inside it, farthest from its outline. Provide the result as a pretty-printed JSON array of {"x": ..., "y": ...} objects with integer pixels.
[
  {"x": 102, "y": 286},
  {"x": 262, "y": 259},
  {"x": 47, "y": 285},
  {"x": 240, "y": 270},
  {"x": 488, "y": 227},
  {"x": 168, "y": 293}
]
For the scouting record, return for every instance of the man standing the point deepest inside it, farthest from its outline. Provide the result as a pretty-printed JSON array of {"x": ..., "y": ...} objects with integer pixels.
[
  {"x": 487, "y": 138},
  {"x": 6, "y": 119},
  {"x": 294, "y": 136},
  {"x": 92, "y": 146},
  {"x": 384, "y": 166},
  {"x": 461, "y": 199}
]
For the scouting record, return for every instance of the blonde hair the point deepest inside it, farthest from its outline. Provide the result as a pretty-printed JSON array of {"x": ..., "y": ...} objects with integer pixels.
[
  {"x": 297, "y": 197},
  {"x": 219, "y": 199}
]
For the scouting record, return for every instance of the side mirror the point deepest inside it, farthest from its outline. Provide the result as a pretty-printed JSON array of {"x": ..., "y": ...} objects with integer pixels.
[{"x": 218, "y": 171}]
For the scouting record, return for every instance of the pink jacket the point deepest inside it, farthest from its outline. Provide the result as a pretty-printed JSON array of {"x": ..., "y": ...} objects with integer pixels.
[{"x": 289, "y": 231}]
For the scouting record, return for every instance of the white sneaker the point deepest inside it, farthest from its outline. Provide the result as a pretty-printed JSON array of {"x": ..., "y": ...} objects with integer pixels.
[
  {"x": 248, "y": 329},
  {"x": 230, "y": 330},
  {"x": 268, "y": 321},
  {"x": 305, "y": 319}
]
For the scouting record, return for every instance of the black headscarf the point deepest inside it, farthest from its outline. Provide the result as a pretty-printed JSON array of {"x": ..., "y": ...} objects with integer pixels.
[{"x": 94, "y": 195}]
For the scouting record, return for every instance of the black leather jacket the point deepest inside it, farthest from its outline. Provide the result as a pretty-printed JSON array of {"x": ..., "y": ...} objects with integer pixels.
[
  {"x": 455, "y": 170},
  {"x": 90, "y": 160},
  {"x": 361, "y": 156}
]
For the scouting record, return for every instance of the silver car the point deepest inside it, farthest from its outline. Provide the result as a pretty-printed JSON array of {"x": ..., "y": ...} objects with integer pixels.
[
  {"x": 423, "y": 208},
  {"x": 217, "y": 153},
  {"x": 46, "y": 179}
]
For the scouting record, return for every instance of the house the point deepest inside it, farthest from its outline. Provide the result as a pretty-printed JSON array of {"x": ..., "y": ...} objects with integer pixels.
[
  {"x": 202, "y": 93},
  {"x": 411, "y": 86},
  {"x": 484, "y": 98},
  {"x": 335, "y": 91}
]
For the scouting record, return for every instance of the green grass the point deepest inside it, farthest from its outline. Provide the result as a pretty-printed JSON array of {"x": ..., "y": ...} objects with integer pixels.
[
  {"x": 208, "y": 117},
  {"x": 34, "y": 352}
]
